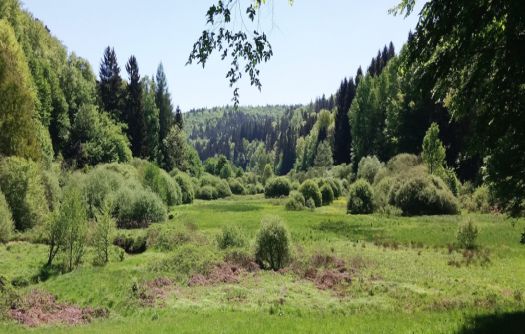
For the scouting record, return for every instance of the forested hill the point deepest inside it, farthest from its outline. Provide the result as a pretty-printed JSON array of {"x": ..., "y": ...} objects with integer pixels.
[{"x": 233, "y": 132}]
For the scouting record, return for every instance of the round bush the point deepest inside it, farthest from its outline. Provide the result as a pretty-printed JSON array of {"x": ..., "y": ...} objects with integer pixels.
[
  {"x": 223, "y": 189},
  {"x": 327, "y": 194},
  {"x": 310, "y": 190},
  {"x": 231, "y": 236},
  {"x": 360, "y": 198},
  {"x": 138, "y": 208},
  {"x": 162, "y": 184},
  {"x": 236, "y": 187},
  {"x": 6, "y": 221},
  {"x": 368, "y": 168},
  {"x": 451, "y": 180},
  {"x": 467, "y": 235},
  {"x": 277, "y": 187},
  {"x": 295, "y": 201},
  {"x": 423, "y": 195},
  {"x": 382, "y": 191},
  {"x": 207, "y": 193},
  {"x": 272, "y": 244},
  {"x": 97, "y": 185},
  {"x": 402, "y": 162},
  {"x": 22, "y": 184},
  {"x": 310, "y": 204},
  {"x": 186, "y": 187},
  {"x": 336, "y": 187},
  {"x": 259, "y": 188}
]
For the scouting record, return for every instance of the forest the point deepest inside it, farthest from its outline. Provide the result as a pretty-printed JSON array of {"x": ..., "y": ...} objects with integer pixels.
[{"x": 394, "y": 204}]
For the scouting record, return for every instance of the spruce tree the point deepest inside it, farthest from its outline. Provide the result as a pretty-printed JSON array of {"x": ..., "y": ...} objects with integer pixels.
[
  {"x": 135, "y": 110},
  {"x": 178, "y": 118},
  {"x": 342, "y": 135},
  {"x": 110, "y": 85}
]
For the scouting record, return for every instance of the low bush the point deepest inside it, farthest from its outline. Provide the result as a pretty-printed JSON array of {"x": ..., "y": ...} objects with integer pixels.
[
  {"x": 207, "y": 193},
  {"x": 168, "y": 237},
  {"x": 360, "y": 198},
  {"x": 6, "y": 221},
  {"x": 138, "y": 208},
  {"x": 479, "y": 201},
  {"x": 295, "y": 201},
  {"x": 231, "y": 236},
  {"x": 186, "y": 186},
  {"x": 97, "y": 186},
  {"x": 382, "y": 192},
  {"x": 236, "y": 187},
  {"x": 402, "y": 162},
  {"x": 423, "y": 195},
  {"x": 162, "y": 184},
  {"x": 310, "y": 204},
  {"x": 23, "y": 187},
  {"x": 467, "y": 235},
  {"x": 277, "y": 187},
  {"x": 272, "y": 244},
  {"x": 451, "y": 180},
  {"x": 131, "y": 244},
  {"x": 368, "y": 168},
  {"x": 222, "y": 189},
  {"x": 310, "y": 190},
  {"x": 327, "y": 194}
]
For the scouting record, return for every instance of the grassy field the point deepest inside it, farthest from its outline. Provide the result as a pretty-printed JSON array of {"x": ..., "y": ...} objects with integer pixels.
[{"x": 406, "y": 277}]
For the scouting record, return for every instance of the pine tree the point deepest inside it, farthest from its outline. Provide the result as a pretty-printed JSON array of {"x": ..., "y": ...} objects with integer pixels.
[
  {"x": 151, "y": 115},
  {"x": 135, "y": 110},
  {"x": 342, "y": 135},
  {"x": 163, "y": 101},
  {"x": 178, "y": 118},
  {"x": 110, "y": 85}
]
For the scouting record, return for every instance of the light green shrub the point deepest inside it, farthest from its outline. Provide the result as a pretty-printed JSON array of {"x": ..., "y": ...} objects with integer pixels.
[
  {"x": 360, "y": 198},
  {"x": 310, "y": 190},
  {"x": 272, "y": 244}
]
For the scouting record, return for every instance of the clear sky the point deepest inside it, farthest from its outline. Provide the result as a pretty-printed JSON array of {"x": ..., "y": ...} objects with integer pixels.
[{"x": 316, "y": 43}]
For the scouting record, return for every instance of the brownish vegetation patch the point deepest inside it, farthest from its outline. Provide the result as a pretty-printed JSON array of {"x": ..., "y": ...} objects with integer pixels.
[
  {"x": 152, "y": 292},
  {"x": 221, "y": 273},
  {"x": 41, "y": 308}
]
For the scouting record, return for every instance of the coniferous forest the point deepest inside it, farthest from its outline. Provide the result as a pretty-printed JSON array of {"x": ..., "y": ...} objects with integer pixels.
[{"x": 394, "y": 204}]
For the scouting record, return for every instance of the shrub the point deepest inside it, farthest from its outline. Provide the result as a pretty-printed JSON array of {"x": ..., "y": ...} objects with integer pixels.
[
  {"x": 186, "y": 187},
  {"x": 310, "y": 203},
  {"x": 131, "y": 244},
  {"x": 423, "y": 195},
  {"x": 382, "y": 192},
  {"x": 467, "y": 235},
  {"x": 6, "y": 221},
  {"x": 360, "y": 198},
  {"x": 97, "y": 185},
  {"x": 277, "y": 187},
  {"x": 343, "y": 172},
  {"x": 327, "y": 194},
  {"x": 168, "y": 237},
  {"x": 310, "y": 190},
  {"x": 22, "y": 185},
  {"x": 402, "y": 162},
  {"x": 226, "y": 171},
  {"x": 162, "y": 184},
  {"x": 231, "y": 236},
  {"x": 368, "y": 168},
  {"x": 207, "y": 193},
  {"x": 336, "y": 187},
  {"x": 451, "y": 180},
  {"x": 295, "y": 201},
  {"x": 105, "y": 226},
  {"x": 137, "y": 208},
  {"x": 267, "y": 173},
  {"x": 223, "y": 189},
  {"x": 480, "y": 200},
  {"x": 259, "y": 188},
  {"x": 236, "y": 187},
  {"x": 52, "y": 188},
  {"x": 272, "y": 244}
]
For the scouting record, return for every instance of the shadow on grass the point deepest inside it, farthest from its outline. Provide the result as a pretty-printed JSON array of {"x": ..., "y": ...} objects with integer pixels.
[
  {"x": 508, "y": 323},
  {"x": 232, "y": 207},
  {"x": 352, "y": 231}
]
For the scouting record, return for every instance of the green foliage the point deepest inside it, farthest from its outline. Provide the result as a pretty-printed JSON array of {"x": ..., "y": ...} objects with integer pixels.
[
  {"x": 207, "y": 193},
  {"x": 22, "y": 184},
  {"x": 420, "y": 194},
  {"x": 67, "y": 230},
  {"x": 220, "y": 187},
  {"x": 231, "y": 236},
  {"x": 324, "y": 156},
  {"x": 277, "y": 187},
  {"x": 433, "y": 150},
  {"x": 161, "y": 183},
  {"x": 310, "y": 204},
  {"x": 479, "y": 201},
  {"x": 186, "y": 187},
  {"x": 368, "y": 167},
  {"x": 137, "y": 208},
  {"x": 360, "y": 198},
  {"x": 226, "y": 171},
  {"x": 102, "y": 238},
  {"x": 236, "y": 187},
  {"x": 310, "y": 190},
  {"x": 327, "y": 194},
  {"x": 467, "y": 235},
  {"x": 96, "y": 138},
  {"x": 267, "y": 174},
  {"x": 131, "y": 244},
  {"x": 451, "y": 180},
  {"x": 7, "y": 226},
  {"x": 402, "y": 162},
  {"x": 18, "y": 117},
  {"x": 295, "y": 201},
  {"x": 272, "y": 245},
  {"x": 97, "y": 186}
]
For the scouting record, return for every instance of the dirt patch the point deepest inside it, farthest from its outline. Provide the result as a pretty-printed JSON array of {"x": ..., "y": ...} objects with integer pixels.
[
  {"x": 41, "y": 308},
  {"x": 150, "y": 293},
  {"x": 328, "y": 272},
  {"x": 221, "y": 273},
  {"x": 331, "y": 279}
]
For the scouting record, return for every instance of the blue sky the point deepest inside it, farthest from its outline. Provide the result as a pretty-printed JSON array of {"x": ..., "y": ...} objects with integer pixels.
[{"x": 316, "y": 43}]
